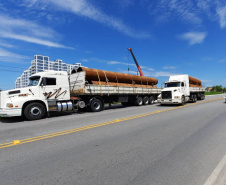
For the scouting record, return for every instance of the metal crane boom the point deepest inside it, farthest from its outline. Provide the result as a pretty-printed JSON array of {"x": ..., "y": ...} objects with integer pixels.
[{"x": 135, "y": 60}]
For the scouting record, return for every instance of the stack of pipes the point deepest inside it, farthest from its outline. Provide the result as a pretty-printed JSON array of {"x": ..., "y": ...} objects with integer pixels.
[
  {"x": 101, "y": 77},
  {"x": 194, "y": 82}
]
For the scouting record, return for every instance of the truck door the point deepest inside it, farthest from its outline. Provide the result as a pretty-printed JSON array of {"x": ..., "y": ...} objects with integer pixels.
[
  {"x": 185, "y": 88},
  {"x": 49, "y": 86}
]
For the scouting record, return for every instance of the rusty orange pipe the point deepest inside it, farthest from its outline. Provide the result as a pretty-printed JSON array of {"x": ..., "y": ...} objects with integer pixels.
[{"x": 101, "y": 75}]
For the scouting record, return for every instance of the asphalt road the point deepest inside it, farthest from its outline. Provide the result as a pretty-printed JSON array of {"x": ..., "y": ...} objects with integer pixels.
[{"x": 148, "y": 145}]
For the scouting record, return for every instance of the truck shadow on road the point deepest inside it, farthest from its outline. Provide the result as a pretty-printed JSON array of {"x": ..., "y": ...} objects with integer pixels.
[
  {"x": 168, "y": 105},
  {"x": 11, "y": 119}
]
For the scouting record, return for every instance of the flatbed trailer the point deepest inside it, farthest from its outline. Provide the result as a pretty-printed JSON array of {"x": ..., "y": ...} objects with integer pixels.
[{"x": 87, "y": 89}]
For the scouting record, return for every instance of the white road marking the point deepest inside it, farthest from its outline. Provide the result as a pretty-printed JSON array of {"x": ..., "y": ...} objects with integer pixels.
[{"x": 218, "y": 177}]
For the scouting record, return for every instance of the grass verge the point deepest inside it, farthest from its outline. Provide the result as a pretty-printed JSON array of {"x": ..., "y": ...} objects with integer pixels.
[{"x": 212, "y": 93}]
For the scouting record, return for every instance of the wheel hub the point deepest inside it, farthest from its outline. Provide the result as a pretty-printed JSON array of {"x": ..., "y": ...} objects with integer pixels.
[
  {"x": 96, "y": 105},
  {"x": 35, "y": 111}
]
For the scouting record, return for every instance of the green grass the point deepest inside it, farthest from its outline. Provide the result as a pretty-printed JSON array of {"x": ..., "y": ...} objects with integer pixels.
[{"x": 212, "y": 93}]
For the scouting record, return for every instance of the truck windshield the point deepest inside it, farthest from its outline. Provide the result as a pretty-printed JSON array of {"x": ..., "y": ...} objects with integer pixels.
[
  {"x": 172, "y": 84},
  {"x": 33, "y": 81}
]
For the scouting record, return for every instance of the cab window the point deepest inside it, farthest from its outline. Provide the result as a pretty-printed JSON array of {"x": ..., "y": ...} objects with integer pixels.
[{"x": 50, "y": 81}]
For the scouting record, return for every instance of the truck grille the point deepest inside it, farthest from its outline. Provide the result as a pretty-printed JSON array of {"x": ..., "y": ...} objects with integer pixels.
[{"x": 166, "y": 94}]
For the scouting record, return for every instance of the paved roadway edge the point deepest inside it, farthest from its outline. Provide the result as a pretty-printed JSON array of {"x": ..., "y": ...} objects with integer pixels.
[{"x": 218, "y": 176}]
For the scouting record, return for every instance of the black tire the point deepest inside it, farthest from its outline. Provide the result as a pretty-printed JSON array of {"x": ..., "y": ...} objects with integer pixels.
[
  {"x": 96, "y": 105},
  {"x": 145, "y": 100},
  {"x": 138, "y": 101},
  {"x": 195, "y": 99},
  {"x": 203, "y": 97},
  {"x": 151, "y": 100},
  {"x": 182, "y": 101},
  {"x": 34, "y": 111}
]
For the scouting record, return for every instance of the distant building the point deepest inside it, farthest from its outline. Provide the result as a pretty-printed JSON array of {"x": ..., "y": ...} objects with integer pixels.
[
  {"x": 208, "y": 89},
  {"x": 40, "y": 64}
]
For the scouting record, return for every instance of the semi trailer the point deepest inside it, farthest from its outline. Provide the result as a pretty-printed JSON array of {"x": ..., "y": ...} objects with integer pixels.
[
  {"x": 83, "y": 89},
  {"x": 181, "y": 89}
]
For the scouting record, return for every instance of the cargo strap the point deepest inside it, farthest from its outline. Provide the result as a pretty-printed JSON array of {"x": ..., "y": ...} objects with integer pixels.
[
  {"x": 117, "y": 82},
  {"x": 106, "y": 81},
  {"x": 75, "y": 80},
  {"x": 99, "y": 82}
]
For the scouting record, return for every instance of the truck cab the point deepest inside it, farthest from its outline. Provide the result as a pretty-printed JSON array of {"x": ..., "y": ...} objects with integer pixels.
[
  {"x": 44, "y": 90},
  {"x": 176, "y": 90}
]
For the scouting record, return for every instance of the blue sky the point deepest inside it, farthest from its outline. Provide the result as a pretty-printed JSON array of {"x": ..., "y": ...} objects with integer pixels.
[{"x": 167, "y": 36}]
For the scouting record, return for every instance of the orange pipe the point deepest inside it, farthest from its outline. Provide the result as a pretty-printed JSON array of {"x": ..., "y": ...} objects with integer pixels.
[
  {"x": 101, "y": 75},
  {"x": 194, "y": 82}
]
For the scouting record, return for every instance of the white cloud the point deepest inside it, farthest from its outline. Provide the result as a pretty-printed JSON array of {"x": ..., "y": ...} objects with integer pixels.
[
  {"x": 194, "y": 12},
  {"x": 33, "y": 40},
  {"x": 184, "y": 10},
  {"x": 85, "y": 9},
  {"x": 6, "y": 45},
  {"x": 169, "y": 67},
  {"x": 20, "y": 29},
  {"x": 125, "y": 3},
  {"x": 85, "y": 60},
  {"x": 221, "y": 12},
  {"x": 149, "y": 74},
  {"x": 128, "y": 64},
  {"x": 222, "y": 60},
  {"x": 146, "y": 68},
  {"x": 122, "y": 63},
  {"x": 7, "y": 56},
  {"x": 193, "y": 37},
  {"x": 162, "y": 73}
]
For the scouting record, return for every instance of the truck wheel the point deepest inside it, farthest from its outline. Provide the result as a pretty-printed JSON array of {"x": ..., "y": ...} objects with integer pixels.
[
  {"x": 202, "y": 97},
  {"x": 34, "y": 111},
  {"x": 138, "y": 101},
  {"x": 195, "y": 99},
  {"x": 96, "y": 105},
  {"x": 145, "y": 100},
  {"x": 182, "y": 101},
  {"x": 151, "y": 100}
]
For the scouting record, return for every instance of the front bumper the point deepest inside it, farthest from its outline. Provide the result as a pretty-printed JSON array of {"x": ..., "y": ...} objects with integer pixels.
[
  {"x": 170, "y": 101},
  {"x": 7, "y": 112}
]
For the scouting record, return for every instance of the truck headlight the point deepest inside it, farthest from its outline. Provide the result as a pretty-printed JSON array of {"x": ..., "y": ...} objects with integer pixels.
[
  {"x": 177, "y": 97},
  {"x": 10, "y": 105}
]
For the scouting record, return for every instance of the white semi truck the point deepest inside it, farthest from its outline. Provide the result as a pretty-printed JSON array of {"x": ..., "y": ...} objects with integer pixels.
[
  {"x": 85, "y": 88},
  {"x": 181, "y": 89}
]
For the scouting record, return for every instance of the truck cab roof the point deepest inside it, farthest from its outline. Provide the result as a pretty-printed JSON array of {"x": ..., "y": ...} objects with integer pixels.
[{"x": 50, "y": 72}]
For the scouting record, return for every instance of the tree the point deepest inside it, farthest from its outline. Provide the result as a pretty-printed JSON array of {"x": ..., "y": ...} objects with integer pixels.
[{"x": 217, "y": 88}]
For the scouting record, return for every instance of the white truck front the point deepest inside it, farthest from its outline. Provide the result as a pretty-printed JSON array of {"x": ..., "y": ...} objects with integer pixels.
[
  {"x": 176, "y": 90},
  {"x": 34, "y": 101}
]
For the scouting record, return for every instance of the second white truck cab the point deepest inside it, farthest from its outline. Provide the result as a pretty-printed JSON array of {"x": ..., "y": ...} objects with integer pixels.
[{"x": 179, "y": 90}]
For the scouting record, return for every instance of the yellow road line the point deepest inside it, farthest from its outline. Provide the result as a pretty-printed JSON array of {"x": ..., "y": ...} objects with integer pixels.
[{"x": 37, "y": 138}]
